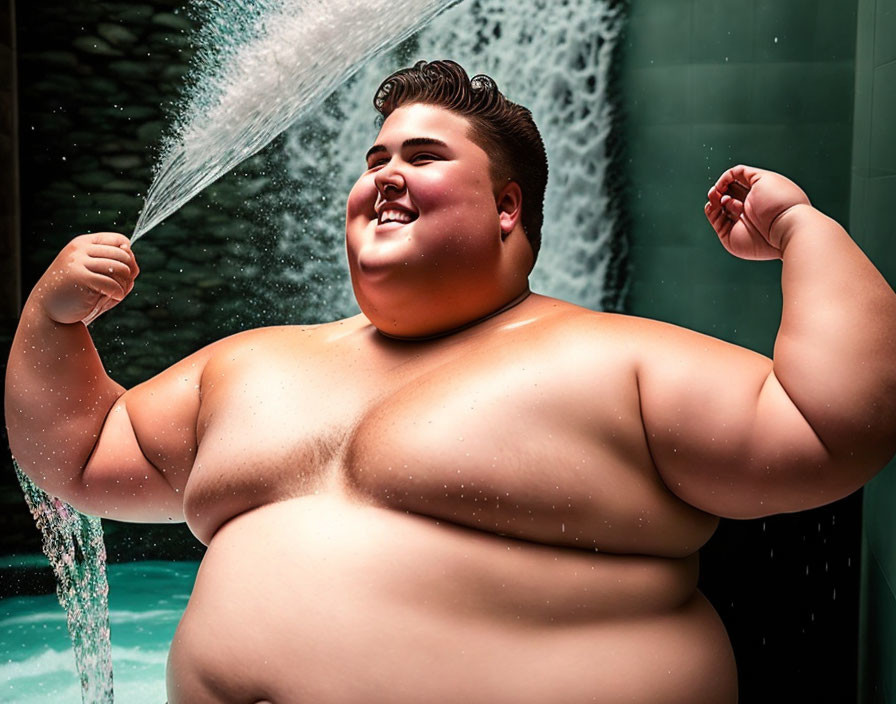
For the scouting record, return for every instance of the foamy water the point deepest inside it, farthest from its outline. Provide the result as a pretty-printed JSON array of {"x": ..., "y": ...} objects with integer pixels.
[{"x": 73, "y": 544}]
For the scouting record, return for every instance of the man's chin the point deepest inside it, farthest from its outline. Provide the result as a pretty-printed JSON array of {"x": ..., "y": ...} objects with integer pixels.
[{"x": 383, "y": 260}]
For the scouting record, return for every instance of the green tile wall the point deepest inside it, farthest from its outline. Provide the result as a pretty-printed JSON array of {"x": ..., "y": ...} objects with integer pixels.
[
  {"x": 708, "y": 85},
  {"x": 871, "y": 220}
]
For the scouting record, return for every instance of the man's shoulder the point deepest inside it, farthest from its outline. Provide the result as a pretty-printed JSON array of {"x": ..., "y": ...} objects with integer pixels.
[
  {"x": 564, "y": 329},
  {"x": 562, "y": 318},
  {"x": 282, "y": 338}
]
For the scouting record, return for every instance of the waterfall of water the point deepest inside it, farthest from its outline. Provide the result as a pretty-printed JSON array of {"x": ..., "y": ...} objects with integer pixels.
[{"x": 74, "y": 545}]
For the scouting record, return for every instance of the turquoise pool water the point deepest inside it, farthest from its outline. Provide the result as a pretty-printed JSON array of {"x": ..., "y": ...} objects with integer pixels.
[{"x": 146, "y": 601}]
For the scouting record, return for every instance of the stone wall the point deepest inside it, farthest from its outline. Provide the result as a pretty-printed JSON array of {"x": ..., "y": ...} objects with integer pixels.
[{"x": 9, "y": 167}]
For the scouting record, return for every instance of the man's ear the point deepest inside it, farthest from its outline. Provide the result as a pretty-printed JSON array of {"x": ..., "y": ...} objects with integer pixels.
[{"x": 510, "y": 207}]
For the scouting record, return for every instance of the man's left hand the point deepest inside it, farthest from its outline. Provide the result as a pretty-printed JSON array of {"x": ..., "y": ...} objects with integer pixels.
[{"x": 743, "y": 206}]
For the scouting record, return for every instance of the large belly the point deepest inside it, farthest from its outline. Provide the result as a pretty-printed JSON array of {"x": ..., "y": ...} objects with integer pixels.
[{"x": 322, "y": 599}]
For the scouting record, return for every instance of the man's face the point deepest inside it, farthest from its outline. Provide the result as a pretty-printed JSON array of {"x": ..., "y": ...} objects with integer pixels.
[{"x": 422, "y": 221}]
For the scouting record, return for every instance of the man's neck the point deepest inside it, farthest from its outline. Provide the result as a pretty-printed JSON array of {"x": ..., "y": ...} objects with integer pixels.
[{"x": 466, "y": 326}]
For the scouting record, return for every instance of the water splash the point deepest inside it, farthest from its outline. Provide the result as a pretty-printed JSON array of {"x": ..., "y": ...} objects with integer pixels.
[
  {"x": 259, "y": 65},
  {"x": 74, "y": 545}
]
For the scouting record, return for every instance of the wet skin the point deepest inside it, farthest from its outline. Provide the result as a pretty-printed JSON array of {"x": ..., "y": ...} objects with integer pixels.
[
  {"x": 508, "y": 511},
  {"x": 474, "y": 518}
]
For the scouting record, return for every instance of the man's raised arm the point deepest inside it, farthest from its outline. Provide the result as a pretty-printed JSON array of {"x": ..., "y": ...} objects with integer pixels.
[
  {"x": 68, "y": 422},
  {"x": 739, "y": 435}
]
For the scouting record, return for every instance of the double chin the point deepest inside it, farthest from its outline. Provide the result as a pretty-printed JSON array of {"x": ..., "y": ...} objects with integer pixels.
[{"x": 416, "y": 305}]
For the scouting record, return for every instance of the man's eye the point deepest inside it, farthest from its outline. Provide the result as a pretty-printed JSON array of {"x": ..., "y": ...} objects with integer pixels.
[{"x": 423, "y": 157}]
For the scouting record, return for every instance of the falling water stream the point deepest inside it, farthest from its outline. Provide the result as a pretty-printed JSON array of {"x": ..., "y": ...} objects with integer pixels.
[
  {"x": 74, "y": 545},
  {"x": 264, "y": 65}
]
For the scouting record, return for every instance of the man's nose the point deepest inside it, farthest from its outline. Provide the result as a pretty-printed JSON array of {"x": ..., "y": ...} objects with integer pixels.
[{"x": 389, "y": 179}]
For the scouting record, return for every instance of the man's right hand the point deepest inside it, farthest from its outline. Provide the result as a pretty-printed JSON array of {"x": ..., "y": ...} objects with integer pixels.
[
  {"x": 90, "y": 275},
  {"x": 78, "y": 434}
]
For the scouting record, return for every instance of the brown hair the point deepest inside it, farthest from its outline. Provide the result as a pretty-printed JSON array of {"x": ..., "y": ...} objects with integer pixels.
[{"x": 505, "y": 130}]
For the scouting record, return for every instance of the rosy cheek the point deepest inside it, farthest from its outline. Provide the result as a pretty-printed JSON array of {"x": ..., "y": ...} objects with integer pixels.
[{"x": 361, "y": 198}]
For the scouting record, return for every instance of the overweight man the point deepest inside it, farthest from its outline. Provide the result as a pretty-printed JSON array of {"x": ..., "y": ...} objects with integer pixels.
[{"x": 468, "y": 492}]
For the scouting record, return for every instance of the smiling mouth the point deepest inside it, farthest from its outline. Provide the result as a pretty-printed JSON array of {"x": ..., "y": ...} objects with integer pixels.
[{"x": 393, "y": 216}]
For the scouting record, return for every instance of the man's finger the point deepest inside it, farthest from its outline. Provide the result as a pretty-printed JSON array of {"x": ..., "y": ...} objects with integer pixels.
[
  {"x": 118, "y": 271},
  {"x": 711, "y": 212},
  {"x": 107, "y": 251},
  {"x": 717, "y": 218},
  {"x": 738, "y": 190},
  {"x": 114, "y": 239},
  {"x": 121, "y": 253},
  {"x": 746, "y": 175},
  {"x": 733, "y": 207},
  {"x": 106, "y": 286}
]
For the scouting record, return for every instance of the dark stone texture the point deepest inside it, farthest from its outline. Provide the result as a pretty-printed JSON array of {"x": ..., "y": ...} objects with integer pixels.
[
  {"x": 95, "y": 45},
  {"x": 116, "y": 33},
  {"x": 167, "y": 19}
]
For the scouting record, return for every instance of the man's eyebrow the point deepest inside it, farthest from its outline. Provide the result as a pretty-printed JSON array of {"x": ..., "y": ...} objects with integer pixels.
[
  {"x": 413, "y": 142},
  {"x": 423, "y": 142}
]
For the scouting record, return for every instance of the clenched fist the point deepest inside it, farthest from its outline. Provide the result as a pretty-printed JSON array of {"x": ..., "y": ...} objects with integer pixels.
[
  {"x": 90, "y": 275},
  {"x": 743, "y": 206}
]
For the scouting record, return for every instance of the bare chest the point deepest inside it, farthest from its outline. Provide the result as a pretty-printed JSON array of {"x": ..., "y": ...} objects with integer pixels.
[{"x": 516, "y": 443}]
